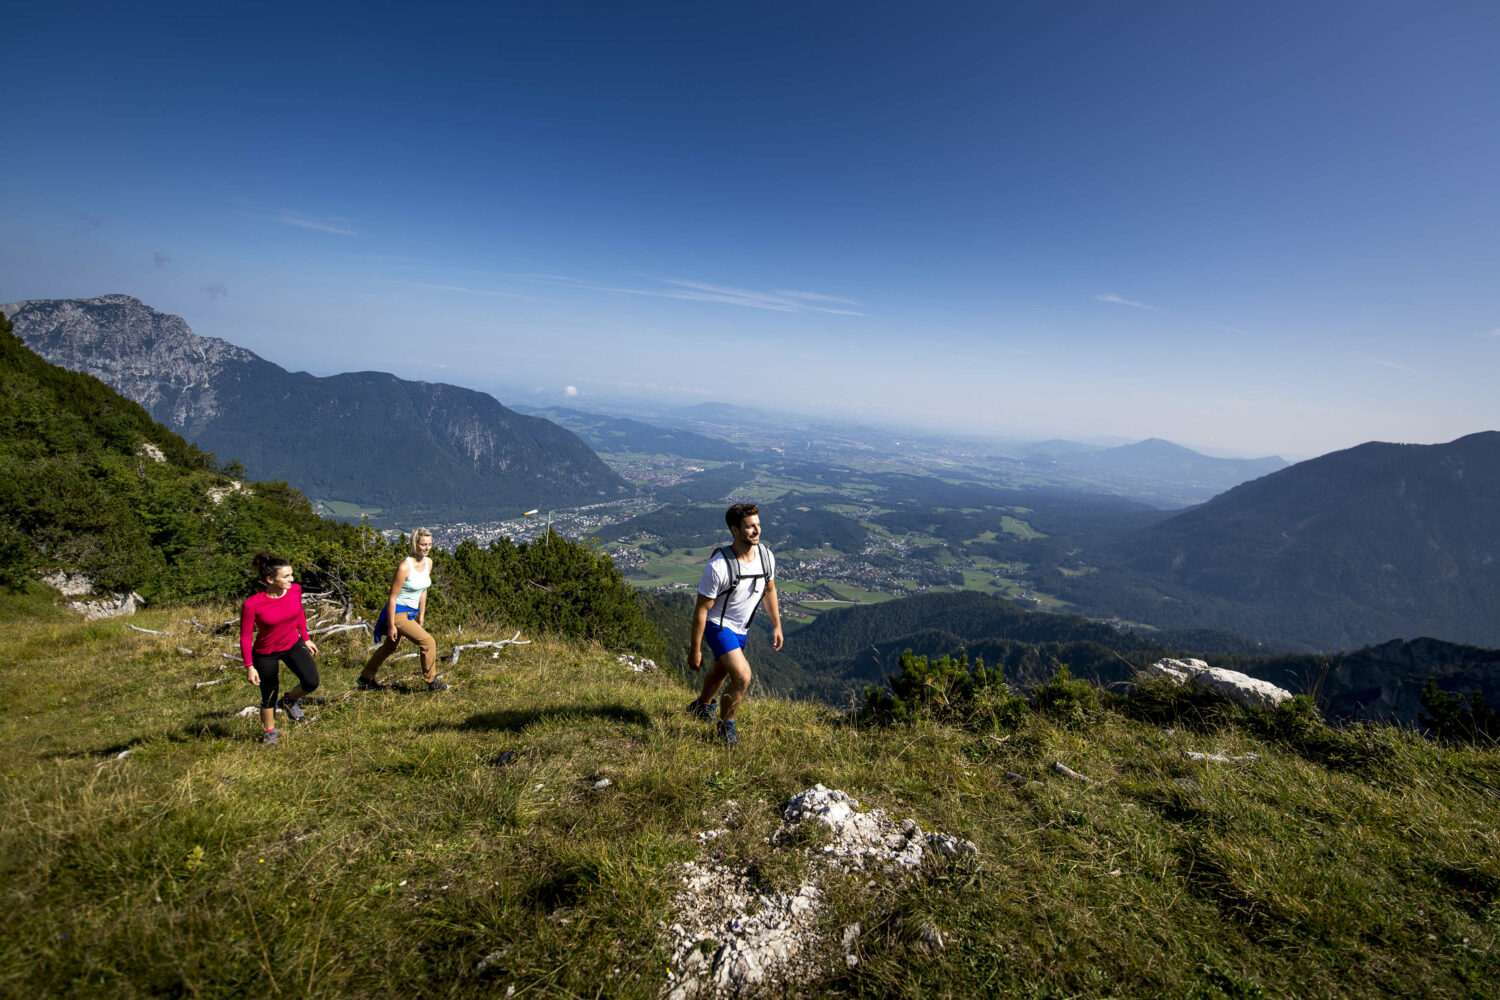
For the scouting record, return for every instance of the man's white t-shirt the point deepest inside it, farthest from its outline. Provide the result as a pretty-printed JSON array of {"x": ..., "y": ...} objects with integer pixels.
[{"x": 746, "y": 596}]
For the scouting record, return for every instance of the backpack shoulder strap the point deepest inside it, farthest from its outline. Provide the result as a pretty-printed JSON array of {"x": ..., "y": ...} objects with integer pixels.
[{"x": 731, "y": 566}]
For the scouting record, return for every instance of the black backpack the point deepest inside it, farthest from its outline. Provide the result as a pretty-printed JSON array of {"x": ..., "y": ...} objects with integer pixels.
[{"x": 732, "y": 562}]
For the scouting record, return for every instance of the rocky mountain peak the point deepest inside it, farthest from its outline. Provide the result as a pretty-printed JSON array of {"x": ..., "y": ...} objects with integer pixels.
[{"x": 153, "y": 357}]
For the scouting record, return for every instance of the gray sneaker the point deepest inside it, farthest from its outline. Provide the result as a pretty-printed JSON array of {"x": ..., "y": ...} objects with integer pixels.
[
  {"x": 437, "y": 684},
  {"x": 698, "y": 710},
  {"x": 291, "y": 709},
  {"x": 727, "y": 733},
  {"x": 271, "y": 737},
  {"x": 368, "y": 684}
]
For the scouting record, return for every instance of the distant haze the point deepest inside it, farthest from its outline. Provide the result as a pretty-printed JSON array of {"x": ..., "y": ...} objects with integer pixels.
[{"x": 1250, "y": 229}]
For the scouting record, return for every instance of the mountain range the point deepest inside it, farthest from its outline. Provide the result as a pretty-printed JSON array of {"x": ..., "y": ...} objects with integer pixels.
[
  {"x": 415, "y": 450},
  {"x": 1170, "y": 474},
  {"x": 1351, "y": 548}
]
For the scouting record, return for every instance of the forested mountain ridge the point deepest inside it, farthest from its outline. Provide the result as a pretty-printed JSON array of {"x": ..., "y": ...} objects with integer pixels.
[
  {"x": 355, "y": 437},
  {"x": 90, "y": 483},
  {"x": 1360, "y": 546}
]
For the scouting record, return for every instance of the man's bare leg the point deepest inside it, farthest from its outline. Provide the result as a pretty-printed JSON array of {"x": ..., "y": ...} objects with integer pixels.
[
  {"x": 712, "y": 678},
  {"x": 737, "y": 668}
]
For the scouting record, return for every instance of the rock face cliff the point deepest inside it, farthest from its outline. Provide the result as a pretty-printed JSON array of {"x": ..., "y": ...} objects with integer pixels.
[{"x": 418, "y": 450}]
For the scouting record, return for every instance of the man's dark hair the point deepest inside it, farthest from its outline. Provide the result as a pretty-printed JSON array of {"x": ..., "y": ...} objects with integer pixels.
[{"x": 735, "y": 516}]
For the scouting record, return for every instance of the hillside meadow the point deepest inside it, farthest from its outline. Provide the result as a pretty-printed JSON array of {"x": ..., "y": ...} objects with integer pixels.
[{"x": 461, "y": 844}]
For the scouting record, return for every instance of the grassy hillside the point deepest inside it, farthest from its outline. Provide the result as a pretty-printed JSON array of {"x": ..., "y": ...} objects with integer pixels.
[{"x": 391, "y": 848}]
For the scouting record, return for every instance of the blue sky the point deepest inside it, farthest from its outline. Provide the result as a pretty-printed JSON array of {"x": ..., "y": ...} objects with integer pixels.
[{"x": 1249, "y": 228}]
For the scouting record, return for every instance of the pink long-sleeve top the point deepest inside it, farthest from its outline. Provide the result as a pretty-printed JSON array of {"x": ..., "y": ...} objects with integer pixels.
[{"x": 275, "y": 623}]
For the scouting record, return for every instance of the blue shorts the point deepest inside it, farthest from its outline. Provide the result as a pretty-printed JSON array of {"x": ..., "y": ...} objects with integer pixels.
[{"x": 722, "y": 640}]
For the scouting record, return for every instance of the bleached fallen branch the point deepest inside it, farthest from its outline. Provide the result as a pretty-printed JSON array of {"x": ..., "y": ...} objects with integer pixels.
[
  {"x": 119, "y": 756},
  {"x": 185, "y": 651},
  {"x": 514, "y": 640},
  {"x": 330, "y": 630},
  {"x": 1068, "y": 772},
  {"x": 150, "y": 631},
  {"x": 1218, "y": 758},
  {"x": 209, "y": 684}
]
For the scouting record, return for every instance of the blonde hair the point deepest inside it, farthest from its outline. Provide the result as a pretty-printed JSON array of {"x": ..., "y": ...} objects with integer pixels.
[{"x": 419, "y": 533}]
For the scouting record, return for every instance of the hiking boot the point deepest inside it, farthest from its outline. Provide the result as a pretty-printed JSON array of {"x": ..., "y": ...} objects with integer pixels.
[
  {"x": 368, "y": 684},
  {"x": 290, "y": 708},
  {"x": 436, "y": 684},
  {"x": 698, "y": 710},
  {"x": 727, "y": 733},
  {"x": 270, "y": 737}
]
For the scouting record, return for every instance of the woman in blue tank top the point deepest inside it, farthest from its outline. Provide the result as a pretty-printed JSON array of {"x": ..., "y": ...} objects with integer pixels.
[{"x": 404, "y": 615}]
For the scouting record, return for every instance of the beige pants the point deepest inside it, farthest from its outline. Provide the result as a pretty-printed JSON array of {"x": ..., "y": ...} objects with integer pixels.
[{"x": 410, "y": 630}]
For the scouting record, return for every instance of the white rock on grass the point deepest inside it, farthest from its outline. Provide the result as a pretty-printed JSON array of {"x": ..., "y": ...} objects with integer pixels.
[
  {"x": 1237, "y": 687},
  {"x": 730, "y": 940},
  {"x": 69, "y": 584},
  {"x": 114, "y": 606}
]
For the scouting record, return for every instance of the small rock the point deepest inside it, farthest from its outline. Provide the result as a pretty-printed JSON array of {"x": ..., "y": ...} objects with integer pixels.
[
  {"x": 851, "y": 938},
  {"x": 602, "y": 783}
]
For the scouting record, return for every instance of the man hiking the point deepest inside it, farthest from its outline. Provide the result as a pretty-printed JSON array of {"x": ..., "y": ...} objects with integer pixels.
[{"x": 736, "y": 580}]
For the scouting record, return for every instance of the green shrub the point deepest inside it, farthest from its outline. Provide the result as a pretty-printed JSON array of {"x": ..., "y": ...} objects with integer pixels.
[
  {"x": 1070, "y": 701},
  {"x": 945, "y": 688},
  {"x": 1452, "y": 720},
  {"x": 551, "y": 584}
]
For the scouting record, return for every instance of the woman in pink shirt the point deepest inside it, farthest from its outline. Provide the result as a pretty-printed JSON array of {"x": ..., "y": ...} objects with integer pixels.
[{"x": 273, "y": 630}]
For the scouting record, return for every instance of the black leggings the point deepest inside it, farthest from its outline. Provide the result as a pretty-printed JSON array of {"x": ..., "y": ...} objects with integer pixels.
[{"x": 268, "y": 665}]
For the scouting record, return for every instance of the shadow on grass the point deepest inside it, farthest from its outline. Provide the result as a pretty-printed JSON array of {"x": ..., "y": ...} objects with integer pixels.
[{"x": 515, "y": 720}]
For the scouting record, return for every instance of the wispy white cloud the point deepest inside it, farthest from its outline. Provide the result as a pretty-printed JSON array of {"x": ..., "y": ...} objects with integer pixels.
[
  {"x": 216, "y": 291},
  {"x": 465, "y": 290},
  {"x": 160, "y": 258},
  {"x": 1493, "y": 333},
  {"x": 815, "y": 297},
  {"x": 1111, "y": 297},
  {"x": 1399, "y": 368},
  {"x": 698, "y": 291},
  {"x": 331, "y": 224}
]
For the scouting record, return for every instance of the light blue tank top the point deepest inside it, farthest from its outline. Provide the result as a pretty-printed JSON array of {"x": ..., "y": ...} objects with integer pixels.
[{"x": 412, "y": 588}]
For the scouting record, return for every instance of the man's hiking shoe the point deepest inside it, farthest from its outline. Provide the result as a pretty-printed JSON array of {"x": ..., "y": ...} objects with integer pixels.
[
  {"x": 436, "y": 684},
  {"x": 698, "y": 710},
  {"x": 291, "y": 709},
  {"x": 368, "y": 684},
  {"x": 727, "y": 733},
  {"x": 270, "y": 737}
]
